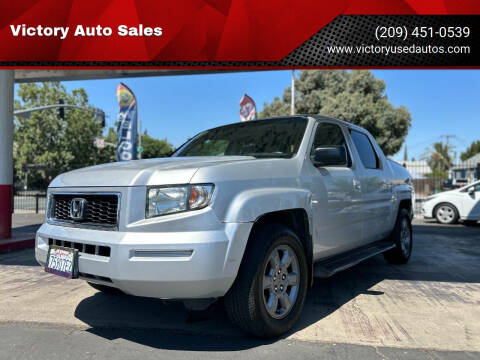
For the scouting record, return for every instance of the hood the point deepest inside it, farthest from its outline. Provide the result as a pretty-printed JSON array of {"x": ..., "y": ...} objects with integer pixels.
[
  {"x": 162, "y": 171},
  {"x": 448, "y": 192}
]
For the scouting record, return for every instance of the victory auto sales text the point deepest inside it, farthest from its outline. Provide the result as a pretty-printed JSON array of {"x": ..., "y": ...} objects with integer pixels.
[{"x": 80, "y": 30}]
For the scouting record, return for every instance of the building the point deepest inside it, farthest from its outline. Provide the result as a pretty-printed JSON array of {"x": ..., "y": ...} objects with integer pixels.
[
  {"x": 466, "y": 170},
  {"x": 418, "y": 169}
]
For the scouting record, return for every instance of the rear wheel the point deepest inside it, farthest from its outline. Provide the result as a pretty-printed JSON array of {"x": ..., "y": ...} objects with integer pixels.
[
  {"x": 402, "y": 238},
  {"x": 269, "y": 292},
  {"x": 446, "y": 213}
]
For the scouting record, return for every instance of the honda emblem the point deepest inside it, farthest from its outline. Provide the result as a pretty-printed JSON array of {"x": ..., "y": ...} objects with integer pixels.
[{"x": 77, "y": 209}]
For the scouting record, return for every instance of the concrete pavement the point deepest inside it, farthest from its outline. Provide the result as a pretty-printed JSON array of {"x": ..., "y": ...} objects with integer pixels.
[{"x": 430, "y": 304}]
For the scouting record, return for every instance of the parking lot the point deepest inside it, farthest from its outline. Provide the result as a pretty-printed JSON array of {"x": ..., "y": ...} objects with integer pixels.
[{"x": 426, "y": 309}]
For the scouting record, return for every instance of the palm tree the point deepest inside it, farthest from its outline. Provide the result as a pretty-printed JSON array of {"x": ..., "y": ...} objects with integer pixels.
[{"x": 438, "y": 157}]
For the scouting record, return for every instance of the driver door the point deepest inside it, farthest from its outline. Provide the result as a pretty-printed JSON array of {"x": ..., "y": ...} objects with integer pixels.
[
  {"x": 336, "y": 197},
  {"x": 471, "y": 203}
]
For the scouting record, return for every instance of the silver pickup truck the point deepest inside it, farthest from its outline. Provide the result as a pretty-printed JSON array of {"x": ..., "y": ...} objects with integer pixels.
[{"x": 250, "y": 212}]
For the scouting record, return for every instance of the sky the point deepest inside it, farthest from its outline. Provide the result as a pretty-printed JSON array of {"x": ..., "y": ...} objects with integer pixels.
[{"x": 441, "y": 102}]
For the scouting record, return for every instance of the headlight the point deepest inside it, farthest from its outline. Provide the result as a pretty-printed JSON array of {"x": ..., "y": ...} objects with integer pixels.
[
  {"x": 174, "y": 199},
  {"x": 431, "y": 197}
]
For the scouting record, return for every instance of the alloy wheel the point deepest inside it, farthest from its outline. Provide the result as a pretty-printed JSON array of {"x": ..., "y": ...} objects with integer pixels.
[
  {"x": 405, "y": 238},
  {"x": 281, "y": 280}
]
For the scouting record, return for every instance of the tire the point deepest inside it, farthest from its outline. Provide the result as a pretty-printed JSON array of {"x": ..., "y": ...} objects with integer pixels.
[
  {"x": 105, "y": 289},
  {"x": 446, "y": 213},
  {"x": 402, "y": 238},
  {"x": 258, "y": 304}
]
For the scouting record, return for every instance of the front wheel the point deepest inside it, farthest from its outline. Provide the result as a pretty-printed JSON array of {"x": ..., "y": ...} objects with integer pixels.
[
  {"x": 268, "y": 295},
  {"x": 402, "y": 238},
  {"x": 446, "y": 213}
]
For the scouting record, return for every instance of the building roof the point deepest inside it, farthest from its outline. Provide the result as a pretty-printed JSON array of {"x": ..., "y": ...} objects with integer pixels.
[
  {"x": 470, "y": 163},
  {"x": 419, "y": 168}
]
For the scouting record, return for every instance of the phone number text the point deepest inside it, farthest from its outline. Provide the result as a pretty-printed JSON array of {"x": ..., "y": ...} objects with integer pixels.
[{"x": 403, "y": 32}]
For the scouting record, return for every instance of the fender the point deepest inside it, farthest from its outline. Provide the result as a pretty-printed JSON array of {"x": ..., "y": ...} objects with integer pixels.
[
  {"x": 249, "y": 205},
  {"x": 403, "y": 192}
]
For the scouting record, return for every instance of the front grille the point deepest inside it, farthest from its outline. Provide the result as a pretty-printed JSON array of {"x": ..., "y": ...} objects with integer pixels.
[
  {"x": 82, "y": 247},
  {"x": 101, "y": 209}
]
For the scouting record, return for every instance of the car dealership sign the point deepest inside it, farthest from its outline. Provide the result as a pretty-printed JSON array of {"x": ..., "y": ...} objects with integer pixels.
[{"x": 127, "y": 124}]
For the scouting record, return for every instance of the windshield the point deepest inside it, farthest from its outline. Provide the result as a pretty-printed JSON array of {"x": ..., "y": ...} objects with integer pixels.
[{"x": 273, "y": 138}]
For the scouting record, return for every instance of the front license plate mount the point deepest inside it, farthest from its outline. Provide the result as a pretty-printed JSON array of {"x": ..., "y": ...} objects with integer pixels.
[{"x": 62, "y": 261}]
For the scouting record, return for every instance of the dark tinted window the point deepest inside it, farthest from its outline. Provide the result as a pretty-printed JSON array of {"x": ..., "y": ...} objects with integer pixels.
[
  {"x": 365, "y": 150},
  {"x": 262, "y": 139},
  {"x": 328, "y": 134}
]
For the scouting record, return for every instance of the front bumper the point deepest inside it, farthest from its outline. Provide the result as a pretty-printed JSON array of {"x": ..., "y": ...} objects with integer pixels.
[
  {"x": 427, "y": 209},
  {"x": 202, "y": 263}
]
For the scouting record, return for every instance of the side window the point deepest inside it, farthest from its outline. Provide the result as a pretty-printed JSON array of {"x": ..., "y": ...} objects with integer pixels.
[
  {"x": 365, "y": 150},
  {"x": 328, "y": 134}
]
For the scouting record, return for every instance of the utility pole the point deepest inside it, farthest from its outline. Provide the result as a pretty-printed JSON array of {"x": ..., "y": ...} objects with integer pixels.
[
  {"x": 447, "y": 141},
  {"x": 447, "y": 138},
  {"x": 292, "y": 102}
]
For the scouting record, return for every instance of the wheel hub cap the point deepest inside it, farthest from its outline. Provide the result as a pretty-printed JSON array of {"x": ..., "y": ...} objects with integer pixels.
[
  {"x": 280, "y": 281},
  {"x": 445, "y": 214}
]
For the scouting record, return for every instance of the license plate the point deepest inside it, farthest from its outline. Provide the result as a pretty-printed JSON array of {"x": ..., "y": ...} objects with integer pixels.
[{"x": 62, "y": 261}]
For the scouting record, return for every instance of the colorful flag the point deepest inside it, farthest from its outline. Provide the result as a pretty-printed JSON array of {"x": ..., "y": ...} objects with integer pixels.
[
  {"x": 248, "y": 110},
  {"x": 127, "y": 124}
]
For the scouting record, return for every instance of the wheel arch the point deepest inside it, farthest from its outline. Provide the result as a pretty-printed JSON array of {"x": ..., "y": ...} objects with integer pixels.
[
  {"x": 444, "y": 203},
  {"x": 296, "y": 220},
  {"x": 405, "y": 204}
]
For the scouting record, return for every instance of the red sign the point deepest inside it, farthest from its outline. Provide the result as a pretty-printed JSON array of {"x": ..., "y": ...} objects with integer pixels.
[{"x": 248, "y": 110}]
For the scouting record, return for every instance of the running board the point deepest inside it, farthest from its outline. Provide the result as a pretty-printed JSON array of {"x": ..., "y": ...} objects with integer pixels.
[{"x": 336, "y": 263}]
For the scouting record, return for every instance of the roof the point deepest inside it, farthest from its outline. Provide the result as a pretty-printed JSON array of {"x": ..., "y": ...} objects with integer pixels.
[
  {"x": 346, "y": 123},
  {"x": 420, "y": 167},
  {"x": 470, "y": 163}
]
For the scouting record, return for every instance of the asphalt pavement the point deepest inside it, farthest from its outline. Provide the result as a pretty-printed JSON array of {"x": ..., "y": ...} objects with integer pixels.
[
  {"x": 34, "y": 341},
  {"x": 427, "y": 309}
]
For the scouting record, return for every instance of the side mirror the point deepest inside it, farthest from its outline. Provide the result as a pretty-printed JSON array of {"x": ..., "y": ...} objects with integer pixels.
[
  {"x": 471, "y": 190},
  {"x": 329, "y": 156}
]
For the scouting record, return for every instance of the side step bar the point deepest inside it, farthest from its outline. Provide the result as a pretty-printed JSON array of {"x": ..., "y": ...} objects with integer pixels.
[{"x": 332, "y": 265}]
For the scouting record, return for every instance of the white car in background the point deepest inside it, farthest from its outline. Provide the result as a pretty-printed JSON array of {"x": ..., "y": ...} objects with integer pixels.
[{"x": 451, "y": 206}]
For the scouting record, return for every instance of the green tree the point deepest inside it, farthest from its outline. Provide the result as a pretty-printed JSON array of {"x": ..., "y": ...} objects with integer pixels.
[
  {"x": 472, "y": 150},
  {"x": 439, "y": 159},
  {"x": 155, "y": 148},
  {"x": 355, "y": 96},
  {"x": 152, "y": 148},
  {"x": 45, "y": 139}
]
